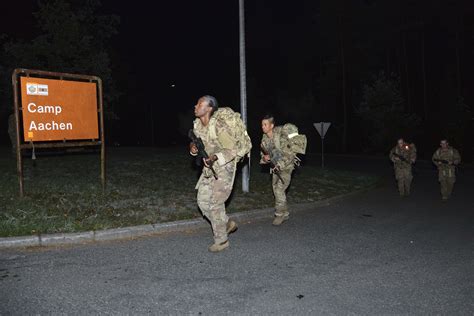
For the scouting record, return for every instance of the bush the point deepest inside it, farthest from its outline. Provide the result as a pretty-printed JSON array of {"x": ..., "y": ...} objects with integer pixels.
[{"x": 382, "y": 114}]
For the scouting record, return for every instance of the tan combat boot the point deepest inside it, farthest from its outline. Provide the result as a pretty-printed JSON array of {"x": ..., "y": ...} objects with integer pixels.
[
  {"x": 279, "y": 220},
  {"x": 218, "y": 247},
  {"x": 231, "y": 227}
]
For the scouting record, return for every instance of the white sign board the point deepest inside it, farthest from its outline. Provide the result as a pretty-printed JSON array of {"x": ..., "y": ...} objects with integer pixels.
[{"x": 322, "y": 128}]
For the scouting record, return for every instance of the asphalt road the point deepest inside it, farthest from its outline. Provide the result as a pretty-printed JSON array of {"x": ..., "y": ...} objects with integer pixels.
[{"x": 370, "y": 254}]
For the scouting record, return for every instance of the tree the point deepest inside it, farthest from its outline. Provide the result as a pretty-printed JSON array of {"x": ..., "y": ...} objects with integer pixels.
[
  {"x": 382, "y": 113},
  {"x": 455, "y": 122},
  {"x": 73, "y": 38}
]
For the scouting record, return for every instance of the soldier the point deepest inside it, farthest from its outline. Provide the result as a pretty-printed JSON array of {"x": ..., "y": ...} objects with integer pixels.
[
  {"x": 214, "y": 190},
  {"x": 403, "y": 155},
  {"x": 446, "y": 158},
  {"x": 277, "y": 151}
]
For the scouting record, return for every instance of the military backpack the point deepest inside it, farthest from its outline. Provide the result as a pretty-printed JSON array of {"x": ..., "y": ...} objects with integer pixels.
[
  {"x": 237, "y": 127},
  {"x": 296, "y": 142}
]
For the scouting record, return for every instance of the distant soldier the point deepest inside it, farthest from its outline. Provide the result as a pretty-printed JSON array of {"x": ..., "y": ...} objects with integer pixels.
[
  {"x": 221, "y": 134},
  {"x": 446, "y": 158},
  {"x": 403, "y": 155},
  {"x": 279, "y": 148}
]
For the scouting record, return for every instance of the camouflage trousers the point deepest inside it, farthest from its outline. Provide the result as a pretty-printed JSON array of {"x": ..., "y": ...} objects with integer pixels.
[
  {"x": 211, "y": 198},
  {"x": 447, "y": 185},
  {"x": 279, "y": 191},
  {"x": 404, "y": 178}
]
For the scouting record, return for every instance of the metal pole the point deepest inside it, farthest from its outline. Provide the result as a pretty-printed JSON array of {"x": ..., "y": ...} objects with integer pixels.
[
  {"x": 322, "y": 152},
  {"x": 243, "y": 89},
  {"x": 19, "y": 162},
  {"x": 322, "y": 144},
  {"x": 102, "y": 137}
]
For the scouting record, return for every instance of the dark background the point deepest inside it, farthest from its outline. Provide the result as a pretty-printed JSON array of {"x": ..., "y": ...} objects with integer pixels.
[{"x": 167, "y": 54}]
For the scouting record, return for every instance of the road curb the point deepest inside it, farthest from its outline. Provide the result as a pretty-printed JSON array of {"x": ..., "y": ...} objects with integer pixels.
[{"x": 143, "y": 230}]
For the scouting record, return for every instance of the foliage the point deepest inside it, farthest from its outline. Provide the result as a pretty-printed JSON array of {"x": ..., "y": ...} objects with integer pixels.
[
  {"x": 382, "y": 113},
  {"x": 73, "y": 38},
  {"x": 456, "y": 121}
]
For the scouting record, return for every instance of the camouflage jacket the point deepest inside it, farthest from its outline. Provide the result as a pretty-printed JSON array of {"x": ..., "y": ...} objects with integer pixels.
[
  {"x": 404, "y": 157},
  {"x": 278, "y": 148},
  {"x": 217, "y": 141},
  {"x": 450, "y": 155}
]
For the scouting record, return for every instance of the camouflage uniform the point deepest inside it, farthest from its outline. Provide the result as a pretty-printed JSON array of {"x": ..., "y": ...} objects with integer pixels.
[
  {"x": 213, "y": 193},
  {"x": 446, "y": 172},
  {"x": 403, "y": 169},
  {"x": 279, "y": 150}
]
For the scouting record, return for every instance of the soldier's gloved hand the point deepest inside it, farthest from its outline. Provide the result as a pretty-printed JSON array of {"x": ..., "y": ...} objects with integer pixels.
[
  {"x": 193, "y": 150},
  {"x": 276, "y": 169},
  {"x": 209, "y": 161}
]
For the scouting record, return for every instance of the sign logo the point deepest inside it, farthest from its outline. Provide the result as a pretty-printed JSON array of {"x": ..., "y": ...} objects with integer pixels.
[{"x": 36, "y": 89}]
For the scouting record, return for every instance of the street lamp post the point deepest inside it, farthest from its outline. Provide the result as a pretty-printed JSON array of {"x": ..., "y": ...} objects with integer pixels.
[{"x": 243, "y": 89}]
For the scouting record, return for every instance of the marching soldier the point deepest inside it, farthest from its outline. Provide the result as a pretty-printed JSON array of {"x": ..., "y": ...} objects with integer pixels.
[
  {"x": 214, "y": 129},
  {"x": 403, "y": 156},
  {"x": 279, "y": 146},
  {"x": 446, "y": 158}
]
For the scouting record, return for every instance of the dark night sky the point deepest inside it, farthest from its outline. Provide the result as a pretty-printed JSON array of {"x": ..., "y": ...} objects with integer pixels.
[
  {"x": 194, "y": 45},
  {"x": 187, "y": 45}
]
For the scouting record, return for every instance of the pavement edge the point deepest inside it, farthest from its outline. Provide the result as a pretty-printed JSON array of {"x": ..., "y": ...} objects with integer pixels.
[{"x": 143, "y": 230}]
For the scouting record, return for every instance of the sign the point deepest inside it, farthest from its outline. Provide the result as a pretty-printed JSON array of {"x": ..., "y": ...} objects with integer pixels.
[
  {"x": 57, "y": 110},
  {"x": 322, "y": 128}
]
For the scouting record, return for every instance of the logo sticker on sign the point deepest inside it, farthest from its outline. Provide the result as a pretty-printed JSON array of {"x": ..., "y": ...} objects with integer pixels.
[{"x": 36, "y": 89}]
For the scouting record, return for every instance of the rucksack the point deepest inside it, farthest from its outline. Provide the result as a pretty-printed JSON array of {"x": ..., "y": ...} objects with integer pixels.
[
  {"x": 295, "y": 141},
  {"x": 233, "y": 120}
]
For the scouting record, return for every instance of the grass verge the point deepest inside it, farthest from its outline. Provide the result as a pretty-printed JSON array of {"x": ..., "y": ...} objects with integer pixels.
[{"x": 144, "y": 186}]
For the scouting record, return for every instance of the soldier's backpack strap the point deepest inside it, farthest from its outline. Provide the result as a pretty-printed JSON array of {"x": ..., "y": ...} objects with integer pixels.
[
  {"x": 277, "y": 136},
  {"x": 212, "y": 128}
]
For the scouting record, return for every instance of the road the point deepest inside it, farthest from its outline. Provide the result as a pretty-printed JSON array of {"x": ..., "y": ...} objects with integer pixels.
[{"x": 369, "y": 254}]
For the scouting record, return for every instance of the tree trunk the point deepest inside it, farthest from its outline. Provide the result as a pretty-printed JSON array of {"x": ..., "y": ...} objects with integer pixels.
[
  {"x": 407, "y": 78},
  {"x": 321, "y": 87},
  {"x": 387, "y": 65},
  {"x": 458, "y": 65},
  {"x": 343, "y": 68},
  {"x": 152, "y": 123},
  {"x": 423, "y": 68}
]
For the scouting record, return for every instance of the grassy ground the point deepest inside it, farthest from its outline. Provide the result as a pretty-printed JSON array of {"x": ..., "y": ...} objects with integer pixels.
[{"x": 63, "y": 192}]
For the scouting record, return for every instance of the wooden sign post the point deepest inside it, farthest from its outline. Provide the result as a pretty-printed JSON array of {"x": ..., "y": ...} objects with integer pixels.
[{"x": 57, "y": 110}]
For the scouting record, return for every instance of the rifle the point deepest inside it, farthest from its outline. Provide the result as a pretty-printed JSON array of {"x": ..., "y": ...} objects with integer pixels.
[
  {"x": 272, "y": 165},
  {"x": 197, "y": 141},
  {"x": 401, "y": 157},
  {"x": 443, "y": 161},
  {"x": 446, "y": 162}
]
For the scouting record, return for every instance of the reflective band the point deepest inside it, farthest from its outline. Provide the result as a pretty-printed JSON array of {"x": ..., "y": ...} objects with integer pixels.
[{"x": 292, "y": 135}]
